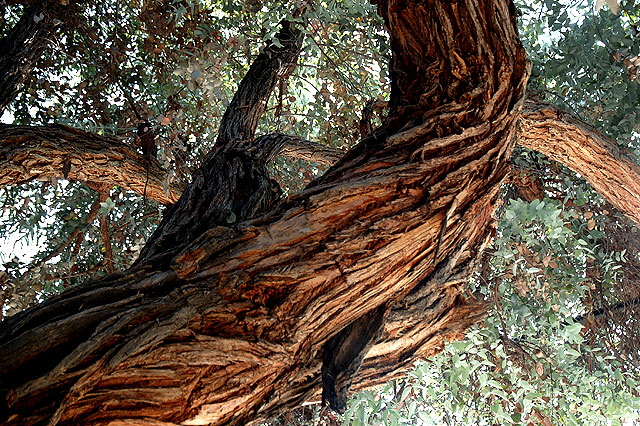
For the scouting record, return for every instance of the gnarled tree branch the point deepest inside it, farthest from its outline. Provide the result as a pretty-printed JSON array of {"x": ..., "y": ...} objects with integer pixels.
[
  {"x": 240, "y": 120},
  {"x": 28, "y": 153},
  {"x": 580, "y": 147},
  {"x": 227, "y": 322},
  {"x": 233, "y": 183}
]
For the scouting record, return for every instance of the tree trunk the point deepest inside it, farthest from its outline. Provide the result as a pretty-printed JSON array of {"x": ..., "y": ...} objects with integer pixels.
[{"x": 226, "y": 317}]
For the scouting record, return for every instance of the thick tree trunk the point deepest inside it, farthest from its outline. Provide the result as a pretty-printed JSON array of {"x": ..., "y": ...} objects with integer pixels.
[{"x": 226, "y": 317}]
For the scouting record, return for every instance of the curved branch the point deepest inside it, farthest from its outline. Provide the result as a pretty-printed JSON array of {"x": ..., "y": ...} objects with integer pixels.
[
  {"x": 28, "y": 153},
  {"x": 579, "y": 146}
]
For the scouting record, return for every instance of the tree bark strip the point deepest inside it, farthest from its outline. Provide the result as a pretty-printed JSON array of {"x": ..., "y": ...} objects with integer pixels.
[{"x": 226, "y": 325}]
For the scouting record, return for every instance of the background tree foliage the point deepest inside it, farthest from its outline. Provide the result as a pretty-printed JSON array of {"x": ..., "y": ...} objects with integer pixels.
[{"x": 563, "y": 273}]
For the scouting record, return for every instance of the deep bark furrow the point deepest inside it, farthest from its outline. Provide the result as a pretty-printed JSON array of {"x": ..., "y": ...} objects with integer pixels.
[
  {"x": 248, "y": 316},
  {"x": 41, "y": 153}
]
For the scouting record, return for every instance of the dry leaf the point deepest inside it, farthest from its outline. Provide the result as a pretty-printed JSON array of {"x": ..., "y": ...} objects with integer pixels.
[
  {"x": 521, "y": 286},
  {"x": 613, "y": 5}
]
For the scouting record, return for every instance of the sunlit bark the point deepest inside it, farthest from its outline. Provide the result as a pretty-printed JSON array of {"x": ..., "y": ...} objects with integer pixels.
[
  {"x": 225, "y": 320},
  {"x": 40, "y": 153},
  {"x": 580, "y": 147}
]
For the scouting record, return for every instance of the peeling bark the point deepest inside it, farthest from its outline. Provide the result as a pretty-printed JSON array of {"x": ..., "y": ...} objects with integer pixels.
[
  {"x": 37, "y": 153},
  {"x": 580, "y": 147},
  {"x": 225, "y": 318}
]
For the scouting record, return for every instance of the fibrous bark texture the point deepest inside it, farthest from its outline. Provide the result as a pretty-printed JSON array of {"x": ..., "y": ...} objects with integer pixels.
[
  {"x": 226, "y": 318},
  {"x": 583, "y": 149},
  {"x": 39, "y": 153},
  {"x": 233, "y": 184}
]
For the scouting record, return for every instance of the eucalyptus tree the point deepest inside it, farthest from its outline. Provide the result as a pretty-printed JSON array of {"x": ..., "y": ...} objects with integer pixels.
[{"x": 244, "y": 295}]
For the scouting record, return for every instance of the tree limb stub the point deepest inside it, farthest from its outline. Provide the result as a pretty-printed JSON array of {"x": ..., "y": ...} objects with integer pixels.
[
  {"x": 28, "y": 153},
  {"x": 580, "y": 147},
  {"x": 231, "y": 328}
]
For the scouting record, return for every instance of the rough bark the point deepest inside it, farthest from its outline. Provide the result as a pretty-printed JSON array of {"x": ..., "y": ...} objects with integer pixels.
[
  {"x": 583, "y": 149},
  {"x": 39, "y": 153},
  {"x": 30, "y": 153},
  {"x": 226, "y": 321},
  {"x": 23, "y": 45},
  {"x": 233, "y": 183},
  {"x": 295, "y": 147}
]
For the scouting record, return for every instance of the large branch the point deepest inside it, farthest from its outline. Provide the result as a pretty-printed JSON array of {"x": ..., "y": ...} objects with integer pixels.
[
  {"x": 580, "y": 147},
  {"x": 232, "y": 327},
  {"x": 36, "y": 153},
  {"x": 249, "y": 103},
  {"x": 233, "y": 183},
  {"x": 23, "y": 45}
]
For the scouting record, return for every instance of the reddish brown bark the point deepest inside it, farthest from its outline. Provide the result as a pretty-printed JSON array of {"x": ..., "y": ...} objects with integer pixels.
[
  {"x": 583, "y": 149},
  {"x": 226, "y": 318}
]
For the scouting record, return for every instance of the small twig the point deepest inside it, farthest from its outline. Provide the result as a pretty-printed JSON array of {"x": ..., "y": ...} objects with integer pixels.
[{"x": 106, "y": 238}]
